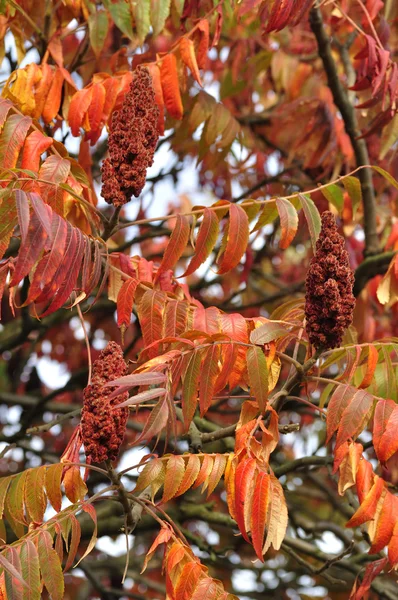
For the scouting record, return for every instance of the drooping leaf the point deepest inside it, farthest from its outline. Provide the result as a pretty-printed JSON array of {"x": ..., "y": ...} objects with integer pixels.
[
  {"x": 141, "y": 12},
  {"x": 30, "y": 570},
  {"x": 334, "y": 195},
  {"x": 35, "y": 144},
  {"x": 176, "y": 245},
  {"x": 257, "y": 369},
  {"x": 98, "y": 29},
  {"x": 236, "y": 239},
  {"x": 187, "y": 50},
  {"x": 289, "y": 221},
  {"x": 243, "y": 482},
  {"x": 210, "y": 371},
  {"x": 191, "y": 386},
  {"x": 367, "y": 509},
  {"x": 12, "y": 139},
  {"x": 50, "y": 566},
  {"x": 313, "y": 218},
  {"x": 206, "y": 240},
  {"x": 261, "y": 499},
  {"x": 175, "y": 469},
  {"x": 170, "y": 86}
]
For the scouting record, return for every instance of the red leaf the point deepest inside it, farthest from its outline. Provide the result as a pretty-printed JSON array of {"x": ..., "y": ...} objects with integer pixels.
[
  {"x": 125, "y": 301},
  {"x": 372, "y": 570},
  {"x": 50, "y": 262},
  {"x": 236, "y": 239},
  {"x": 170, "y": 86},
  {"x": 30, "y": 250}
]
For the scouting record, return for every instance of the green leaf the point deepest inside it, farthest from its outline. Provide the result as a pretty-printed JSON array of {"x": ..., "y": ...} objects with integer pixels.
[
  {"x": 30, "y": 570},
  {"x": 386, "y": 176},
  {"x": 50, "y": 566},
  {"x": 268, "y": 214},
  {"x": 334, "y": 195},
  {"x": 257, "y": 369},
  {"x": 121, "y": 15},
  {"x": 353, "y": 188},
  {"x": 289, "y": 221},
  {"x": 141, "y": 11},
  {"x": 98, "y": 24},
  {"x": 313, "y": 218},
  {"x": 190, "y": 387},
  {"x": 160, "y": 10}
]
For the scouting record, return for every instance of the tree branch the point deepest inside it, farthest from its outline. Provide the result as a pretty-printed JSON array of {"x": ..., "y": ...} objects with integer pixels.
[{"x": 347, "y": 112}]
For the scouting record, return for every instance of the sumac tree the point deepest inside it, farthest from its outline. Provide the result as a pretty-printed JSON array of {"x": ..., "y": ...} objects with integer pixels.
[{"x": 199, "y": 284}]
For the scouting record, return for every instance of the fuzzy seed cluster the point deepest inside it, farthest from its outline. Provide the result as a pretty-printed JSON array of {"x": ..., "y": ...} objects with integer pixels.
[
  {"x": 329, "y": 301},
  {"x": 103, "y": 425},
  {"x": 133, "y": 137}
]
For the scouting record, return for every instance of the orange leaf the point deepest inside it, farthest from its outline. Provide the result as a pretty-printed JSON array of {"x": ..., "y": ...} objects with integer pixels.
[
  {"x": 35, "y": 144},
  {"x": 157, "y": 88},
  {"x": 188, "y": 580},
  {"x": 75, "y": 488},
  {"x": 175, "y": 469},
  {"x": 205, "y": 470},
  {"x": 95, "y": 111},
  {"x": 243, "y": 481},
  {"x": 217, "y": 472},
  {"x": 176, "y": 245},
  {"x": 191, "y": 473},
  {"x": 170, "y": 86},
  {"x": 373, "y": 357},
  {"x": 203, "y": 45},
  {"x": 78, "y": 108},
  {"x": 187, "y": 50},
  {"x": 210, "y": 372},
  {"x": 389, "y": 440},
  {"x": 53, "y": 100},
  {"x": 235, "y": 239},
  {"x": 206, "y": 240},
  {"x": 259, "y": 514},
  {"x": 162, "y": 538},
  {"x": 393, "y": 547},
  {"x": 53, "y": 485},
  {"x": 385, "y": 524},
  {"x": 355, "y": 416},
  {"x": 366, "y": 511},
  {"x": 277, "y": 518},
  {"x": 50, "y": 566},
  {"x": 364, "y": 479},
  {"x": 289, "y": 221}
]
